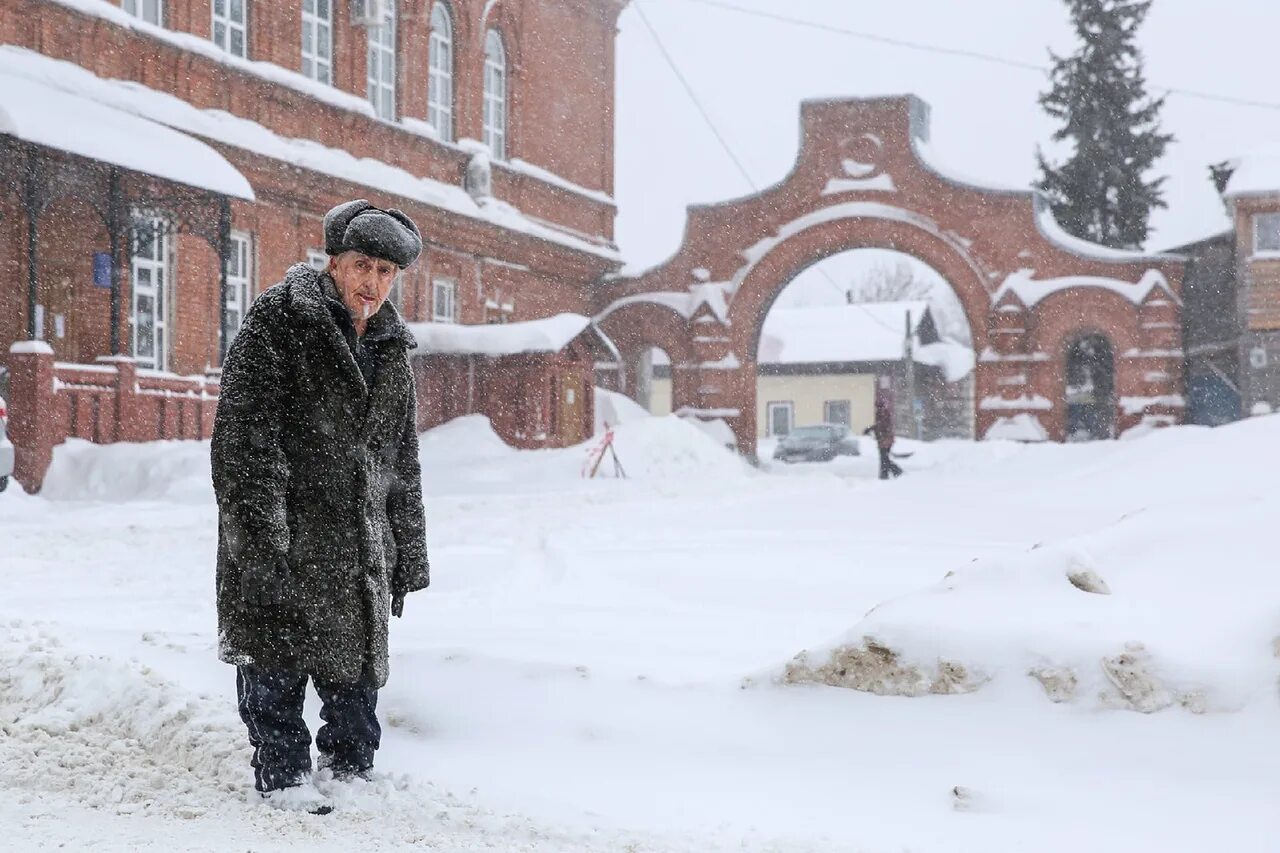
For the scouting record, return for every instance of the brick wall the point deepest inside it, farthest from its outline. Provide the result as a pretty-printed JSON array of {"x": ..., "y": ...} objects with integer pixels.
[{"x": 559, "y": 108}]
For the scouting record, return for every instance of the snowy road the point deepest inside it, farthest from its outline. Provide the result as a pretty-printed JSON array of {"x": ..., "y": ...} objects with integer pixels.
[{"x": 592, "y": 668}]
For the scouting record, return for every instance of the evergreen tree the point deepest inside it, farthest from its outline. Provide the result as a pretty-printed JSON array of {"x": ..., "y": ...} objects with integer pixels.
[{"x": 1101, "y": 192}]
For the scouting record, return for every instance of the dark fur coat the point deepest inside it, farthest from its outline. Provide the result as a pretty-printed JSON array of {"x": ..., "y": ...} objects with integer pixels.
[{"x": 313, "y": 462}]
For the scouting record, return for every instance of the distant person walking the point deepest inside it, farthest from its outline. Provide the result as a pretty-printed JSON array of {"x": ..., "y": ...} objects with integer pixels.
[
  {"x": 883, "y": 427},
  {"x": 320, "y": 519}
]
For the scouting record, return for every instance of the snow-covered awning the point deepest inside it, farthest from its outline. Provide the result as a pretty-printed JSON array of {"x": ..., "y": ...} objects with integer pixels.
[
  {"x": 548, "y": 335},
  {"x": 40, "y": 112}
]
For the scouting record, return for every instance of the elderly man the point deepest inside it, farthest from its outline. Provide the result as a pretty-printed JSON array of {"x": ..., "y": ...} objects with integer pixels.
[{"x": 320, "y": 517}]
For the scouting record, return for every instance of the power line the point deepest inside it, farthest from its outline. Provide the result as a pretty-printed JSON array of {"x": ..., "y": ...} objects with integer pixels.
[
  {"x": 724, "y": 143},
  {"x": 963, "y": 53},
  {"x": 675, "y": 69}
]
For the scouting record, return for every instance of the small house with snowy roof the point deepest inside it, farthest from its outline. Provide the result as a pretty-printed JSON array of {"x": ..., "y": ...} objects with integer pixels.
[{"x": 819, "y": 365}]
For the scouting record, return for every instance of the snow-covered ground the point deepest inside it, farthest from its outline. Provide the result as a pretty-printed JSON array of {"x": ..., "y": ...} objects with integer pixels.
[{"x": 603, "y": 664}]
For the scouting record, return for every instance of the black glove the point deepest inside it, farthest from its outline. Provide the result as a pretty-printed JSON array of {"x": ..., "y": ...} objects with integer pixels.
[
  {"x": 397, "y": 604},
  {"x": 262, "y": 581}
]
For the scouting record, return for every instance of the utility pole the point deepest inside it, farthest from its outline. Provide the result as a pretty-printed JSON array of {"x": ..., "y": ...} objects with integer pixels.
[{"x": 910, "y": 356}]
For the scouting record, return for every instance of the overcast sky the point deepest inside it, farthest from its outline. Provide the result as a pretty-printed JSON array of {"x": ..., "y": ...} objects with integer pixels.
[{"x": 751, "y": 75}]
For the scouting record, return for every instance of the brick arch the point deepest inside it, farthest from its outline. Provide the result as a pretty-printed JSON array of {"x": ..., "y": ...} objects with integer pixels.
[
  {"x": 765, "y": 280},
  {"x": 638, "y": 326},
  {"x": 864, "y": 178}
]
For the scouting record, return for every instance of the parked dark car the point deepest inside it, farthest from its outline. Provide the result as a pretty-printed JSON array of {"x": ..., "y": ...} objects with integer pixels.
[{"x": 820, "y": 443}]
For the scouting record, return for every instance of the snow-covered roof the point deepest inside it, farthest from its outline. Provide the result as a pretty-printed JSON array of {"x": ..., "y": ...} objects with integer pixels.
[
  {"x": 955, "y": 360},
  {"x": 36, "y": 109},
  {"x": 1256, "y": 172},
  {"x": 227, "y": 129},
  {"x": 1031, "y": 290},
  {"x": 862, "y": 332},
  {"x": 550, "y": 334}
]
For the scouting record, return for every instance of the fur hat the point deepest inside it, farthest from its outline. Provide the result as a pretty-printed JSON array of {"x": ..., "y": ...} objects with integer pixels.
[{"x": 357, "y": 226}]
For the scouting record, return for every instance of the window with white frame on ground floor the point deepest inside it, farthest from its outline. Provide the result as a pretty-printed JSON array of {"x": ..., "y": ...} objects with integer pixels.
[
  {"x": 150, "y": 278},
  {"x": 151, "y": 11},
  {"x": 317, "y": 260},
  {"x": 781, "y": 417},
  {"x": 231, "y": 26},
  {"x": 317, "y": 40},
  {"x": 836, "y": 412},
  {"x": 440, "y": 72},
  {"x": 239, "y": 283},
  {"x": 444, "y": 305},
  {"x": 1266, "y": 233},
  {"x": 382, "y": 66}
]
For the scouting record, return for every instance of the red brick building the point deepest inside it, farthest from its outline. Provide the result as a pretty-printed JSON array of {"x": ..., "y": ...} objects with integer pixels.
[{"x": 162, "y": 161}]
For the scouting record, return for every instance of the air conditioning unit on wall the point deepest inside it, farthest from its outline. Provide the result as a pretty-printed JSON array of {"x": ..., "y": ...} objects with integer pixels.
[{"x": 370, "y": 13}]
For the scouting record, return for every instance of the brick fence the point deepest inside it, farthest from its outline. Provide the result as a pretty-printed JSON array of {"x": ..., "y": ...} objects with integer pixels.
[{"x": 111, "y": 400}]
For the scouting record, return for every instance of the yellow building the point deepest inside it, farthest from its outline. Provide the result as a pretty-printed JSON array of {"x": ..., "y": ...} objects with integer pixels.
[{"x": 819, "y": 365}]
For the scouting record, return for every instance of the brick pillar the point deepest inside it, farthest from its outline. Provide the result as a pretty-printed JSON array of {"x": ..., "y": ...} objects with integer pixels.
[
  {"x": 32, "y": 418},
  {"x": 127, "y": 420}
]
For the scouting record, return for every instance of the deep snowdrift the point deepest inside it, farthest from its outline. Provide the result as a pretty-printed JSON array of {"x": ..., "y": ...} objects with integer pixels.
[
  {"x": 465, "y": 449},
  {"x": 1176, "y": 601}
]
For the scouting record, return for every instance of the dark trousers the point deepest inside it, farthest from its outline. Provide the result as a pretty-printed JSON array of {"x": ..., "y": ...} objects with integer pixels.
[
  {"x": 271, "y": 708},
  {"x": 888, "y": 468}
]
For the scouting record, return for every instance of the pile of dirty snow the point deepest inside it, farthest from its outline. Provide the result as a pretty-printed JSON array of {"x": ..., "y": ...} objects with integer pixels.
[{"x": 1175, "y": 602}]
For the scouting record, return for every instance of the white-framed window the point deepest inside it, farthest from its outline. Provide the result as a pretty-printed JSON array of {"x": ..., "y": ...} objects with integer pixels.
[
  {"x": 151, "y": 266},
  {"x": 317, "y": 40},
  {"x": 444, "y": 301},
  {"x": 231, "y": 26},
  {"x": 382, "y": 66},
  {"x": 495, "y": 95},
  {"x": 317, "y": 260},
  {"x": 440, "y": 72},
  {"x": 151, "y": 11},
  {"x": 780, "y": 417},
  {"x": 1266, "y": 233},
  {"x": 239, "y": 283},
  {"x": 836, "y": 412}
]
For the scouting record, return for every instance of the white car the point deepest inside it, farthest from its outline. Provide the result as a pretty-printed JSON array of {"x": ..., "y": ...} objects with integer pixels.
[{"x": 6, "y": 447}]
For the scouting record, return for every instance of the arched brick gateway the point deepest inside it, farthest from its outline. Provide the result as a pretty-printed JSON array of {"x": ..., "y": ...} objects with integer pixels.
[{"x": 865, "y": 178}]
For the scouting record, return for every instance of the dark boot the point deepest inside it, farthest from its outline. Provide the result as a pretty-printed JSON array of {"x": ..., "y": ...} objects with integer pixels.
[{"x": 351, "y": 734}]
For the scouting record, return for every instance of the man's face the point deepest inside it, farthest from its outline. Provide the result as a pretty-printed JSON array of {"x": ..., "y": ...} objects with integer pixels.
[{"x": 363, "y": 282}]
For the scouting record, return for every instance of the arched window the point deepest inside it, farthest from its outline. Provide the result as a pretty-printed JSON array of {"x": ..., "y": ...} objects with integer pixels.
[
  {"x": 440, "y": 72},
  {"x": 495, "y": 95},
  {"x": 382, "y": 66}
]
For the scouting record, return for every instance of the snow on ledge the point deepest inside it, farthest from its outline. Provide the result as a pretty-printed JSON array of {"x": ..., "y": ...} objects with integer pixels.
[
  {"x": 1033, "y": 402},
  {"x": 548, "y": 335},
  {"x": 1138, "y": 405},
  {"x": 30, "y": 348},
  {"x": 187, "y": 41},
  {"x": 1031, "y": 290},
  {"x": 670, "y": 299},
  {"x": 247, "y": 135},
  {"x": 1060, "y": 237},
  {"x": 547, "y": 176}
]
